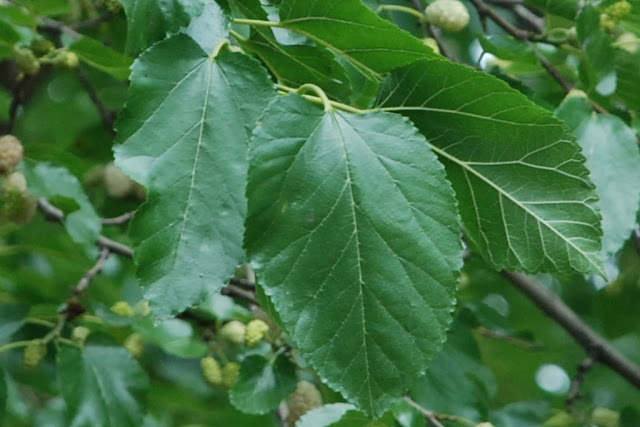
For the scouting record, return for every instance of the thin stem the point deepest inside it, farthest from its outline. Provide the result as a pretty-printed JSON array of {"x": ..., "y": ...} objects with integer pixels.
[
  {"x": 51, "y": 213},
  {"x": 83, "y": 284},
  {"x": 92, "y": 22},
  {"x": 243, "y": 283},
  {"x": 222, "y": 44},
  {"x": 40, "y": 322},
  {"x": 574, "y": 392},
  {"x": 115, "y": 247},
  {"x": 403, "y": 9},
  {"x": 234, "y": 291},
  {"x": 108, "y": 116},
  {"x": 596, "y": 346},
  {"x": 119, "y": 220},
  {"x": 484, "y": 10},
  {"x": 52, "y": 25},
  {"x": 318, "y": 100},
  {"x": 68, "y": 342},
  {"x": 434, "y": 418},
  {"x": 509, "y": 339},
  {"x": 553, "y": 72},
  {"x": 417, "y": 5},
  {"x": 323, "y": 96},
  {"x": 256, "y": 22},
  {"x": 237, "y": 36},
  {"x": 444, "y": 50},
  {"x": 16, "y": 344},
  {"x": 55, "y": 332}
]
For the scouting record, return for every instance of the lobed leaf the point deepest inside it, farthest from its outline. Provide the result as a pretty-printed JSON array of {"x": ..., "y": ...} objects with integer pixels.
[
  {"x": 353, "y": 228},
  {"x": 186, "y": 128},
  {"x": 525, "y": 195}
]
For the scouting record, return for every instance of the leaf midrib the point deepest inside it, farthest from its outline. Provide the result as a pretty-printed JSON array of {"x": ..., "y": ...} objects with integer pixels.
[{"x": 335, "y": 120}]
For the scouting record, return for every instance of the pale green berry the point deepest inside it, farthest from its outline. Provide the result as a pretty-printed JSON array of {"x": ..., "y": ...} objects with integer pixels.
[
  {"x": 230, "y": 373},
  {"x": 34, "y": 354},
  {"x": 233, "y": 332},
  {"x": 122, "y": 308},
  {"x": 80, "y": 334},
  {"x": 135, "y": 344},
  {"x": 211, "y": 371},
  {"x": 450, "y": 15},
  {"x": 255, "y": 331},
  {"x": 305, "y": 398},
  {"x": 11, "y": 153}
]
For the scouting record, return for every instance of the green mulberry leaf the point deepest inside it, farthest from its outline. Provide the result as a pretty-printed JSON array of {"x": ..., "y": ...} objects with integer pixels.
[
  {"x": 525, "y": 195},
  {"x": 186, "y": 128},
  {"x": 353, "y": 229},
  {"x": 102, "y": 386},
  {"x": 607, "y": 141},
  {"x": 263, "y": 384}
]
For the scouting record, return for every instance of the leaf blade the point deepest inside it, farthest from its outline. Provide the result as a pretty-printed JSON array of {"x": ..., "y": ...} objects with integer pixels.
[
  {"x": 262, "y": 385},
  {"x": 504, "y": 153},
  {"x": 101, "y": 385},
  {"x": 327, "y": 239},
  {"x": 188, "y": 235},
  {"x": 355, "y": 32},
  {"x": 46, "y": 180},
  {"x": 607, "y": 141}
]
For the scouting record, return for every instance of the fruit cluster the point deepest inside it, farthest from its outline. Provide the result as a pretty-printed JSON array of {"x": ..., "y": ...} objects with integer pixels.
[{"x": 16, "y": 203}]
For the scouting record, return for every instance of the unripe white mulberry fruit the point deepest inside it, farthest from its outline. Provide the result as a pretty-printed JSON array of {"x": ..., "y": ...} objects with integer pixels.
[
  {"x": 211, "y": 371},
  {"x": 605, "y": 417},
  {"x": 135, "y": 344},
  {"x": 256, "y": 330},
  {"x": 450, "y": 15},
  {"x": 27, "y": 60},
  {"x": 11, "y": 152},
  {"x": 34, "y": 354},
  {"x": 19, "y": 205},
  {"x": 628, "y": 42},
  {"x": 66, "y": 60},
  {"x": 305, "y": 398},
  {"x": 233, "y": 332},
  {"x": 432, "y": 43},
  {"x": 230, "y": 373},
  {"x": 118, "y": 184},
  {"x": 15, "y": 181},
  {"x": 122, "y": 308},
  {"x": 80, "y": 334}
]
